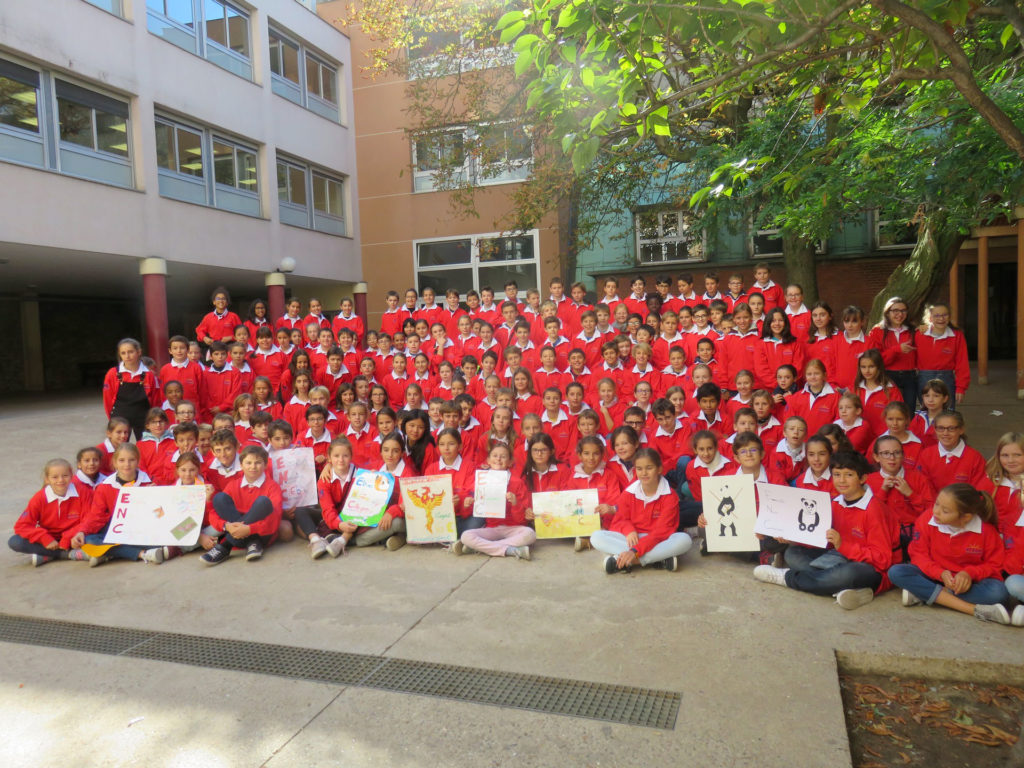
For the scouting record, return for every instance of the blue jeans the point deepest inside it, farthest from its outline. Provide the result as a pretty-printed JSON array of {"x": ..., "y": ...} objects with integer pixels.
[
  {"x": 909, "y": 577},
  {"x": 463, "y": 524},
  {"x": 261, "y": 509},
  {"x": 826, "y": 572},
  {"x": 614, "y": 543},
  {"x": 26, "y": 547},
  {"x": 906, "y": 382},
  {"x": 1015, "y": 586}
]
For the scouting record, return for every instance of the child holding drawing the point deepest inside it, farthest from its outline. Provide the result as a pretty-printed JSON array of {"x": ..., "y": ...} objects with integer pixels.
[{"x": 507, "y": 536}]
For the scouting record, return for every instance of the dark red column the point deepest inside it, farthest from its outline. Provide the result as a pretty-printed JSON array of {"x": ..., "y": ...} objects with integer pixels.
[
  {"x": 275, "y": 283},
  {"x": 154, "y": 297}
]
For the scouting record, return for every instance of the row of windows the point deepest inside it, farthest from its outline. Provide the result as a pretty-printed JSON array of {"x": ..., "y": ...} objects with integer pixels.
[
  {"x": 480, "y": 154},
  {"x": 220, "y": 32},
  {"x": 669, "y": 236},
  {"x": 470, "y": 262},
  {"x": 48, "y": 122}
]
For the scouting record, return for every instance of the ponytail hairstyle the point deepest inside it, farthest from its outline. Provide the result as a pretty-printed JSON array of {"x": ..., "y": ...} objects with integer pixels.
[
  {"x": 528, "y": 467},
  {"x": 62, "y": 463},
  {"x": 970, "y": 501}
]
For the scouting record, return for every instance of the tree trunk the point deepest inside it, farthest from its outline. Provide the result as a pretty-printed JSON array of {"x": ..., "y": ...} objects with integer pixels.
[
  {"x": 938, "y": 243},
  {"x": 798, "y": 256}
]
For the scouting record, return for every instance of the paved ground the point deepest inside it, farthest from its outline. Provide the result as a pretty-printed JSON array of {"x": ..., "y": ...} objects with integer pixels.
[{"x": 756, "y": 664}]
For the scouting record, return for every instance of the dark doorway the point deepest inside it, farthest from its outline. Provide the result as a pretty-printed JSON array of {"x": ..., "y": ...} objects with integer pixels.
[{"x": 1002, "y": 310}]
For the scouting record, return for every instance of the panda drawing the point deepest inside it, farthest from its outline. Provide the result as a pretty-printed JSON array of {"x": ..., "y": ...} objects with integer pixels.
[
  {"x": 725, "y": 509},
  {"x": 808, "y": 517}
]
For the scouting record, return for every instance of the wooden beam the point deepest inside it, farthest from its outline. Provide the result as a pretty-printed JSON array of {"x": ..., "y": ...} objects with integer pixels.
[
  {"x": 1007, "y": 230},
  {"x": 1020, "y": 309},
  {"x": 983, "y": 310},
  {"x": 954, "y": 292}
]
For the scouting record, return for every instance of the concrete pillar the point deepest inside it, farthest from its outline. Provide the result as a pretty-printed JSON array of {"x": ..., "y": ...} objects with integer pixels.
[
  {"x": 275, "y": 282},
  {"x": 154, "y": 296},
  {"x": 359, "y": 299},
  {"x": 32, "y": 343},
  {"x": 983, "y": 310}
]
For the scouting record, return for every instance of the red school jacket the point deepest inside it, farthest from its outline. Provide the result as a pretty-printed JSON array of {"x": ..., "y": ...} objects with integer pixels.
[
  {"x": 848, "y": 352},
  {"x": 963, "y": 465},
  {"x": 658, "y": 518},
  {"x": 672, "y": 447},
  {"x": 104, "y": 497},
  {"x": 696, "y": 470},
  {"x": 906, "y": 509},
  {"x": 222, "y": 387},
  {"x": 773, "y": 354},
  {"x": 874, "y": 405},
  {"x": 463, "y": 474},
  {"x": 331, "y": 493},
  {"x": 808, "y": 482},
  {"x": 889, "y": 343},
  {"x": 866, "y": 533},
  {"x": 817, "y": 410},
  {"x": 773, "y": 295},
  {"x": 976, "y": 549},
  {"x": 944, "y": 353},
  {"x": 189, "y": 375},
  {"x": 49, "y": 517},
  {"x": 271, "y": 364},
  {"x": 860, "y": 435},
  {"x": 217, "y": 327},
  {"x": 120, "y": 375},
  {"x": 604, "y": 481},
  {"x": 244, "y": 494},
  {"x": 563, "y": 433},
  {"x": 353, "y": 322}
]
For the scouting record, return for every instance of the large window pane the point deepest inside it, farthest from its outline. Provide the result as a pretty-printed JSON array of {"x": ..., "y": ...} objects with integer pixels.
[
  {"x": 165, "y": 147},
  {"x": 284, "y": 58},
  {"x": 75, "y": 123},
  {"x": 216, "y": 28},
  {"x": 190, "y": 153},
  {"x": 238, "y": 32},
  {"x": 505, "y": 248},
  {"x": 313, "y": 76},
  {"x": 443, "y": 279},
  {"x": 18, "y": 105},
  {"x": 245, "y": 165},
  {"x": 328, "y": 78},
  {"x": 327, "y": 196},
  {"x": 443, "y": 253},
  {"x": 224, "y": 164},
  {"x": 111, "y": 134},
  {"x": 296, "y": 185},
  {"x": 440, "y": 150},
  {"x": 524, "y": 274},
  {"x": 181, "y": 11}
]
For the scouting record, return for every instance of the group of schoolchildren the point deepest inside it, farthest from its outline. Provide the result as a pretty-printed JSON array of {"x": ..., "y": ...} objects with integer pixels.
[{"x": 638, "y": 398}]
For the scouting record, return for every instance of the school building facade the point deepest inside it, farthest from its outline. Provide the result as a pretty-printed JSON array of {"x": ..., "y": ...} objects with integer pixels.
[{"x": 151, "y": 150}]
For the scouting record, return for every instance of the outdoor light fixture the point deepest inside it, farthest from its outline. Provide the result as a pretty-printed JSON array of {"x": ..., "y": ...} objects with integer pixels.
[{"x": 287, "y": 265}]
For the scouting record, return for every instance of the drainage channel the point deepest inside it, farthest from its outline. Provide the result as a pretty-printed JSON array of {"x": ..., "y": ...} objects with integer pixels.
[{"x": 643, "y": 707}]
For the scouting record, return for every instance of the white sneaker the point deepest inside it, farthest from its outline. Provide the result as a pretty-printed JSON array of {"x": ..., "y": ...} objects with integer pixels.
[
  {"x": 854, "y": 598},
  {"x": 155, "y": 555},
  {"x": 336, "y": 546},
  {"x": 995, "y": 613},
  {"x": 1017, "y": 619},
  {"x": 581, "y": 543},
  {"x": 395, "y": 541},
  {"x": 909, "y": 601},
  {"x": 317, "y": 548},
  {"x": 458, "y": 548},
  {"x": 769, "y": 574},
  {"x": 519, "y": 553}
]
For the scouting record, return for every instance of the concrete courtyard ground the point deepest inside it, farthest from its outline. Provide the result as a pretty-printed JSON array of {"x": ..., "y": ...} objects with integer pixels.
[{"x": 756, "y": 665}]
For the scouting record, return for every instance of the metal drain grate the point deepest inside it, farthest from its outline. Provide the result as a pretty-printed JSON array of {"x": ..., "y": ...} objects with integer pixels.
[{"x": 552, "y": 695}]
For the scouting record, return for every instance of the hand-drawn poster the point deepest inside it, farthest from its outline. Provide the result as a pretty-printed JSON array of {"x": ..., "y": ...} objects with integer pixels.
[
  {"x": 489, "y": 493},
  {"x": 565, "y": 514},
  {"x": 730, "y": 509},
  {"x": 158, "y": 516},
  {"x": 368, "y": 498},
  {"x": 429, "y": 511},
  {"x": 794, "y": 514},
  {"x": 295, "y": 472}
]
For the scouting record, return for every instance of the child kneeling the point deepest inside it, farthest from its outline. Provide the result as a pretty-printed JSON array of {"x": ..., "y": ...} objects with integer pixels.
[
  {"x": 247, "y": 513},
  {"x": 860, "y": 543},
  {"x": 643, "y": 531}
]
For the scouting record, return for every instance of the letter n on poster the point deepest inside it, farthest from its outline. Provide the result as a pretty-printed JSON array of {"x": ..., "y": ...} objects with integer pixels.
[
  {"x": 429, "y": 510},
  {"x": 794, "y": 514},
  {"x": 730, "y": 509},
  {"x": 158, "y": 516}
]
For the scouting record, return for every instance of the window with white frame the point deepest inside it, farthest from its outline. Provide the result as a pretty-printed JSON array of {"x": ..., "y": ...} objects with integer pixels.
[
  {"x": 306, "y": 78},
  {"x": 214, "y": 29},
  {"x": 474, "y": 261},
  {"x": 310, "y": 197},
  {"x": 893, "y": 233},
  {"x": 768, "y": 242},
  {"x": 667, "y": 236},
  {"x": 200, "y": 165},
  {"x": 50, "y": 122},
  {"x": 494, "y": 153},
  {"x": 111, "y": 6},
  {"x": 437, "y": 52}
]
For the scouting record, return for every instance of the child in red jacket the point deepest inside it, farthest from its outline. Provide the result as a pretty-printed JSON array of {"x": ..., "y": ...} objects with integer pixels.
[
  {"x": 220, "y": 324},
  {"x": 247, "y": 513},
  {"x": 952, "y": 459},
  {"x": 644, "y": 529},
  {"x": 130, "y": 389},
  {"x": 332, "y": 490},
  {"x": 507, "y": 536},
  {"x": 859, "y": 543},
  {"x": 956, "y": 557},
  {"x": 45, "y": 528}
]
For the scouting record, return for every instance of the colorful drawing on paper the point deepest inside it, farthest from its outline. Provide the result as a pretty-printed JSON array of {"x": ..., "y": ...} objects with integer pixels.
[
  {"x": 368, "y": 498},
  {"x": 730, "y": 509},
  {"x": 794, "y": 514},
  {"x": 295, "y": 471},
  {"x": 429, "y": 509},
  {"x": 157, "y": 516},
  {"x": 566, "y": 514}
]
